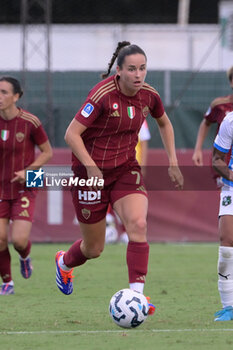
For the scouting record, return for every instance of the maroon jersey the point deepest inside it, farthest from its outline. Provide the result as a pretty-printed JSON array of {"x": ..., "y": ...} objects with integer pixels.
[
  {"x": 17, "y": 149},
  {"x": 216, "y": 113},
  {"x": 113, "y": 121},
  {"x": 218, "y": 109}
]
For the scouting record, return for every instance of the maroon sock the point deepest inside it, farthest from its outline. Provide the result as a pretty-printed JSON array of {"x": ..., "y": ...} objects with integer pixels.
[
  {"x": 137, "y": 261},
  {"x": 26, "y": 251},
  {"x": 5, "y": 265},
  {"x": 74, "y": 256}
]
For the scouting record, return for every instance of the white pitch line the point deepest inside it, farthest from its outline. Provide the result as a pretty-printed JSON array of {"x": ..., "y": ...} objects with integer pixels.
[{"x": 117, "y": 331}]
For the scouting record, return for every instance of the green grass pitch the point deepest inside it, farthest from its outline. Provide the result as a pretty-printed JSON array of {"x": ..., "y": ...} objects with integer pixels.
[{"x": 182, "y": 283}]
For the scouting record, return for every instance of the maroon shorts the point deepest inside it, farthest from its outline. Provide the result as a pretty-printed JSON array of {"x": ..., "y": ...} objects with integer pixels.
[
  {"x": 21, "y": 208},
  {"x": 91, "y": 206}
]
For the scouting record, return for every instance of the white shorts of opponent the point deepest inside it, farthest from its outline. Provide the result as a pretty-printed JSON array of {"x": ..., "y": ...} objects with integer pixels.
[{"x": 226, "y": 201}]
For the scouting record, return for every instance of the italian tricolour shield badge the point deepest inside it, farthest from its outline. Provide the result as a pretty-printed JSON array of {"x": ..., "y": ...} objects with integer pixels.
[
  {"x": 4, "y": 134},
  {"x": 131, "y": 112}
]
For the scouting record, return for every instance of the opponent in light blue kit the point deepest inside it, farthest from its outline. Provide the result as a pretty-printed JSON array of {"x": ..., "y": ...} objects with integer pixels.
[{"x": 222, "y": 144}]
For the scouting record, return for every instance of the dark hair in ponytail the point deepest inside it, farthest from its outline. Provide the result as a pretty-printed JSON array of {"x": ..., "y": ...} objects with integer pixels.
[
  {"x": 15, "y": 85},
  {"x": 230, "y": 74},
  {"x": 124, "y": 48}
]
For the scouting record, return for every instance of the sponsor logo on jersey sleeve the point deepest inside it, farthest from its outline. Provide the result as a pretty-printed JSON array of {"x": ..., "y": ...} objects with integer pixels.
[
  {"x": 208, "y": 111},
  {"x": 87, "y": 110}
]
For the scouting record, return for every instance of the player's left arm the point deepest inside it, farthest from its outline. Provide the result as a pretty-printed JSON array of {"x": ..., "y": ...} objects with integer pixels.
[
  {"x": 167, "y": 135},
  {"x": 144, "y": 152},
  {"x": 222, "y": 145},
  {"x": 142, "y": 147},
  {"x": 44, "y": 156}
]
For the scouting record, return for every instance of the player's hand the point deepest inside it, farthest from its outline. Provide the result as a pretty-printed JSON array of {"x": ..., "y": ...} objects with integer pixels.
[
  {"x": 93, "y": 172},
  {"x": 20, "y": 176},
  {"x": 230, "y": 176},
  {"x": 197, "y": 158},
  {"x": 176, "y": 176}
]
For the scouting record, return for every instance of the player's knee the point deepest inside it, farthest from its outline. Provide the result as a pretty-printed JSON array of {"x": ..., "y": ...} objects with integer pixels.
[
  {"x": 93, "y": 252},
  {"x": 141, "y": 225},
  {"x": 19, "y": 244},
  {"x": 225, "y": 263},
  {"x": 226, "y": 241},
  {"x": 138, "y": 226},
  {"x": 3, "y": 243}
]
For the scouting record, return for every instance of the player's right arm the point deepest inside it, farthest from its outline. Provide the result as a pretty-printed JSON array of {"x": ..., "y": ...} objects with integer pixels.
[
  {"x": 75, "y": 142},
  {"x": 44, "y": 156},
  {"x": 168, "y": 139},
  {"x": 201, "y": 136}
]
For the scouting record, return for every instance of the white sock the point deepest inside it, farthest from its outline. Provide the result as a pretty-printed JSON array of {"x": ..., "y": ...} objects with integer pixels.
[
  {"x": 62, "y": 265},
  {"x": 137, "y": 286},
  {"x": 225, "y": 275},
  {"x": 23, "y": 259},
  {"x": 11, "y": 283}
]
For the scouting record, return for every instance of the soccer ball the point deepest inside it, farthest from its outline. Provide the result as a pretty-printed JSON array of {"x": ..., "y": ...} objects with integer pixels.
[{"x": 128, "y": 308}]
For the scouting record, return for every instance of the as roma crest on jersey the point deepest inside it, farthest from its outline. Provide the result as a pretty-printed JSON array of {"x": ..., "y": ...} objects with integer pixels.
[
  {"x": 145, "y": 111},
  {"x": 131, "y": 112},
  {"x": 86, "y": 213},
  {"x": 5, "y": 135},
  {"x": 19, "y": 136}
]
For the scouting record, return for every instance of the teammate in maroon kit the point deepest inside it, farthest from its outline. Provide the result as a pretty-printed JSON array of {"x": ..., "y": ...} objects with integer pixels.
[
  {"x": 20, "y": 132},
  {"x": 217, "y": 111},
  {"x": 103, "y": 136}
]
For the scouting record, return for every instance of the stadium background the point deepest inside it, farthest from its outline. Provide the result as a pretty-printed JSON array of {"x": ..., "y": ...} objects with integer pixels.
[{"x": 55, "y": 96}]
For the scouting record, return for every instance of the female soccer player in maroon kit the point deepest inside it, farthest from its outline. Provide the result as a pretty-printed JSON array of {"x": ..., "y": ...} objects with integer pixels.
[
  {"x": 103, "y": 136},
  {"x": 20, "y": 132}
]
